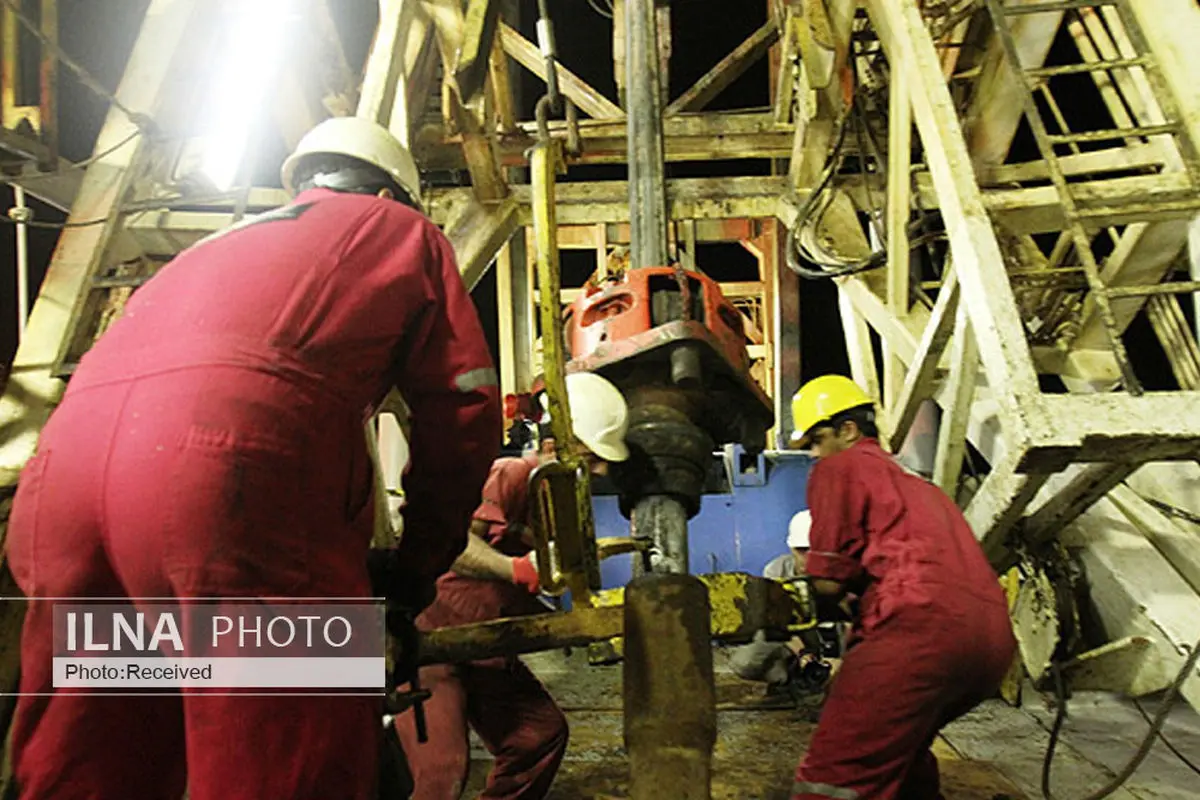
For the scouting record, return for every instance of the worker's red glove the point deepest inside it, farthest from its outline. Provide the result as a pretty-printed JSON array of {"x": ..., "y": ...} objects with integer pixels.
[{"x": 525, "y": 573}]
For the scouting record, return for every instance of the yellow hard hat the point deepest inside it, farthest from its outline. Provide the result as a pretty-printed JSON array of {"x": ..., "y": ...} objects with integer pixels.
[
  {"x": 822, "y": 399},
  {"x": 359, "y": 138}
]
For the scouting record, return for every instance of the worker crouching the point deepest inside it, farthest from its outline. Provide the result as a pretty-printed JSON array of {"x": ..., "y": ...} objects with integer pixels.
[
  {"x": 931, "y": 638},
  {"x": 210, "y": 445},
  {"x": 496, "y": 576}
]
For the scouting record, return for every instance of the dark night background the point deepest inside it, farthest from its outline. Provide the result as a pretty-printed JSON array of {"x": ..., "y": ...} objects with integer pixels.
[{"x": 100, "y": 33}]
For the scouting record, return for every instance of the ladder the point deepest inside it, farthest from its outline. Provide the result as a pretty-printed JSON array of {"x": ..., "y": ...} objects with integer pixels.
[{"x": 1080, "y": 213}]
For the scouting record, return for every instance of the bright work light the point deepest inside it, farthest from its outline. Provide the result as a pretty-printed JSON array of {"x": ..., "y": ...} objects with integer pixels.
[{"x": 247, "y": 62}]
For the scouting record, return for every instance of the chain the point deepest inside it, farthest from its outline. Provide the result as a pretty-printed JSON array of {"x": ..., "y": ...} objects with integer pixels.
[{"x": 142, "y": 121}]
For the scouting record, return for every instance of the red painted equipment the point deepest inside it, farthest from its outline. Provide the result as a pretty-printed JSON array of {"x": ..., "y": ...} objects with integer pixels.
[
  {"x": 675, "y": 347},
  {"x": 643, "y": 299}
]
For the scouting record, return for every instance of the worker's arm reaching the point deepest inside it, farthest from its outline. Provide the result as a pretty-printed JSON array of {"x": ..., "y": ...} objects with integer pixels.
[
  {"x": 481, "y": 560},
  {"x": 837, "y": 501}
]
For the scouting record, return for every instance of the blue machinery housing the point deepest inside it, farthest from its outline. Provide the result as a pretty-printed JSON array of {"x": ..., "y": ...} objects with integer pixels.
[{"x": 742, "y": 522}]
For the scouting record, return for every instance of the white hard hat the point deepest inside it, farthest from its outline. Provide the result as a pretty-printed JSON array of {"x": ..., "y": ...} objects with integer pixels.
[
  {"x": 599, "y": 415},
  {"x": 798, "y": 530},
  {"x": 359, "y": 138}
]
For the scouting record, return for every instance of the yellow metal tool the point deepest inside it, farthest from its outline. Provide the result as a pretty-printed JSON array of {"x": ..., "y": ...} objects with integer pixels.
[
  {"x": 740, "y": 606},
  {"x": 563, "y": 528}
]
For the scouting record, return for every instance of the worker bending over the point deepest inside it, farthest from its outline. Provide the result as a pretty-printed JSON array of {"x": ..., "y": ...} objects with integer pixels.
[
  {"x": 797, "y": 666},
  {"x": 932, "y": 637},
  {"x": 211, "y": 445},
  {"x": 496, "y": 576}
]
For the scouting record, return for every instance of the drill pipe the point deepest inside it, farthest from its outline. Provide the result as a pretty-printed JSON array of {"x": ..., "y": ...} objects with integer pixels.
[
  {"x": 670, "y": 703},
  {"x": 663, "y": 521},
  {"x": 647, "y": 192}
]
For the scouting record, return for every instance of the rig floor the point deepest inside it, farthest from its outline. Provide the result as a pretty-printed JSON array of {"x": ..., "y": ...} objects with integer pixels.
[{"x": 996, "y": 750}]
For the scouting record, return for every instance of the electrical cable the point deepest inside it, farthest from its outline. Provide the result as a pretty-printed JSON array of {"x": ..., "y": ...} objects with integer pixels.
[
  {"x": 144, "y": 122},
  {"x": 87, "y": 162},
  {"x": 1136, "y": 761},
  {"x": 810, "y": 214},
  {"x": 54, "y": 226},
  {"x": 596, "y": 7},
  {"x": 1162, "y": 737},
  {"x": 1165, "y": 508}
]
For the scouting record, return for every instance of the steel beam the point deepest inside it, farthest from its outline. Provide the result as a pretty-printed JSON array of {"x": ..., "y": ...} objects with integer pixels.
[
  {"x": 918, "y": 382},
  {"x": 400, "y": 68},
  {"x": 1171, "y": 30},
  {"x": 726, "y": 71},
  {"x": 996, "y": 108},
  {"x": 514, "y": 296},
  {"x": 691, "y": 137},
  {"x": 898, "y": 213},
  {"x": 997, "y": 508},
  {"x": 1144, "y": 255},
  {"x": 985, "y": 288},
  {"x": 687, "y": 198},
  {"x": 956, "y": 414},
  {"x": 1157, "y": 426},
  {"x": 858, "y": 340},
  {"x": 1178, "y": 539},
  {"x": 156, "y": 61},
  {"x": 474, "y": 54},
  {"x": 586, "y": 99},
  {"x": 1135, "y": 591},
  {"x": 1072, "y": 497},
  {"x": 477, "y": 233},
  {"x": 823, "y": 39}
]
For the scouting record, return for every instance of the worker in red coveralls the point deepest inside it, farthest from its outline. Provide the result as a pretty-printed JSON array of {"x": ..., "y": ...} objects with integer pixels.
[
  {"x": 211, "y": 444},
  {"x": 496, "y": 576},
  {"x": 931, "y": 638}
]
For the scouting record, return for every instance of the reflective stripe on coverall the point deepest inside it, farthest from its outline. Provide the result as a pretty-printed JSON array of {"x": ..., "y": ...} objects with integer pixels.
[
  {"x": 506, "y": 705},
  {"x": 210, "y": 445},
  {"x": 932, "y": 639}
]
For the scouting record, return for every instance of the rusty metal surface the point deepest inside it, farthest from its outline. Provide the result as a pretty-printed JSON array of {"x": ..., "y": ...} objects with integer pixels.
[
  {"x": 661, "y": 337},
  {"x": 670, "y": 718},
  {"x": 509, "y": 637},
  {"x": 740, "y": 605}
]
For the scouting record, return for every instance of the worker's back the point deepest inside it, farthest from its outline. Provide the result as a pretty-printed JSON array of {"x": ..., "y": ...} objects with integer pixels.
[
  {"x": 317, "y": 293},
  {"x": 271, "y": 342},
  {"x": 915, "y": 547}
]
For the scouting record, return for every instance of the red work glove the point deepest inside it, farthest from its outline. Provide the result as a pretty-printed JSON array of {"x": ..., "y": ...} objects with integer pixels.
[{"x": 525, "y": 573}]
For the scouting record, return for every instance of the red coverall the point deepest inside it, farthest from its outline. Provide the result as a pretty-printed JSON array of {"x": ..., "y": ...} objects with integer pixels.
[
  {"x": 932, "y": 639},
  {"x": 510, "y": 710},
  {"x": 211, "y": 444}
]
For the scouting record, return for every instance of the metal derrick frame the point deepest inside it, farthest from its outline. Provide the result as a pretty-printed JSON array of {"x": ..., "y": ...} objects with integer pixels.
[
  {"x": 481, "y": 221},
  {"x": 973, "y": 338},
  {"x": 1061, "y": 464}
]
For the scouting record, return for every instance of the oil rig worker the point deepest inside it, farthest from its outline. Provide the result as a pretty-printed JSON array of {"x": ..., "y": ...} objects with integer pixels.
[
  {"x": 211, "y": 444},
  {"x": 497, "y": 576},
  {"x": 932, "y": 625},
  {"x": 797, "y": 666}
]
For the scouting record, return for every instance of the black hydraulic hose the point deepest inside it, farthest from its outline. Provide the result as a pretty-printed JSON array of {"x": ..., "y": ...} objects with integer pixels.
[{"x": 1155, "y": 729}]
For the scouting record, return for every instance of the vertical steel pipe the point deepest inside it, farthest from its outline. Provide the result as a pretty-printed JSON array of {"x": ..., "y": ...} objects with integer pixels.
[
  {"x": 663, "y": 520},
  {"x": 647, "y": 186},
  {"x": 670, "y": 703}
]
